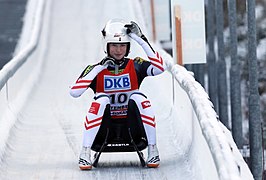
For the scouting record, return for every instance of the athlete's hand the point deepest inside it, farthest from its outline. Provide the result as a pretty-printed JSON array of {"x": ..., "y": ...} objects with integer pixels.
[
  {"x": 107, "y": 61},
  {"x": 133, "y": 28}
]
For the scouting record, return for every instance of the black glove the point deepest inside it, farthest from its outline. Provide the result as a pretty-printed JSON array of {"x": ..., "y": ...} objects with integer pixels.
[
  {"x": 133, "y": 28},
  {"x": 107, "y": 61}
]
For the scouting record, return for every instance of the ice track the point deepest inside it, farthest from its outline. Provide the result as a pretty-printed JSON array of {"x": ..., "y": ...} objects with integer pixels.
[{"x": 46, "y": 138}]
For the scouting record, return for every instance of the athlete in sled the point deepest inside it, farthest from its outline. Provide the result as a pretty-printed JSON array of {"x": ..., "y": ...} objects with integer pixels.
[{"x": 120, "y": 117}]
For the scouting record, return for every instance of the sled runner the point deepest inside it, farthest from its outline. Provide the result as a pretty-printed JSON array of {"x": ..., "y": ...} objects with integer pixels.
[{"x": 120, "y": 135}]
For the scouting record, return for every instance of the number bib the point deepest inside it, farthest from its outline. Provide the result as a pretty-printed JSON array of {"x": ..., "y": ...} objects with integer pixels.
[{"x": 119, "y": 87}]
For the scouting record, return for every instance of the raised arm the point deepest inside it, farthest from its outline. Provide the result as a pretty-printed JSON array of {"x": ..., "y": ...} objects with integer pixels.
[{"x": 157, "y": 64}]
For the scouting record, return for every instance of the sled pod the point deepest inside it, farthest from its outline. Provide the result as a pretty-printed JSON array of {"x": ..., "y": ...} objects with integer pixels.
[{"x": 119, "y": 133}]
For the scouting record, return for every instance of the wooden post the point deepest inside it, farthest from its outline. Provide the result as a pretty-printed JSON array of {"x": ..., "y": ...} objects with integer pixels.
[
  {"x": 153, "y": 21},
  {"x": 178, "y": 33}
]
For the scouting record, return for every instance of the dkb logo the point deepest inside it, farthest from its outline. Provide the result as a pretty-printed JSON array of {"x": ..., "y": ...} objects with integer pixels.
[{"x": 116, "y": 83}]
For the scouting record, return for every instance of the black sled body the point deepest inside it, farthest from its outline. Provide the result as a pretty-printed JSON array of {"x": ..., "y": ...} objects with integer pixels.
[{"x": 121, "y": 135}]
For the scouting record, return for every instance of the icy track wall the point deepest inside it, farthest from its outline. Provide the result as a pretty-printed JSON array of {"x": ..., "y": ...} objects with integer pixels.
[
  {"x": 18, "y": 76},
  {"x": 228, "y": 160}
]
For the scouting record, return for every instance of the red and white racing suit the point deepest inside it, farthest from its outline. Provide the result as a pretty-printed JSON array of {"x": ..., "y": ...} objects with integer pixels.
[{"x": 117, "y": 89}]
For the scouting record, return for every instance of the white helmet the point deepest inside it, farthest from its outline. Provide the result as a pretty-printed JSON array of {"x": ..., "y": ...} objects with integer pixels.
[{"x": 115, "y": 32}]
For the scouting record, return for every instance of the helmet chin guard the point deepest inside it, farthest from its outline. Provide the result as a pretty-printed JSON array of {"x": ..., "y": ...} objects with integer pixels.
[{"x": 115, "y": 32}]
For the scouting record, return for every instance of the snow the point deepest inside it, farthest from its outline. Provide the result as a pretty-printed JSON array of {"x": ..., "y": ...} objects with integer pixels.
[{"x": 41, "y": 128}]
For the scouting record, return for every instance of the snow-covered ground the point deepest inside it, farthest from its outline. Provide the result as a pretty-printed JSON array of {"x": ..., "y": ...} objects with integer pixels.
[{"x": 45, "y": 141}]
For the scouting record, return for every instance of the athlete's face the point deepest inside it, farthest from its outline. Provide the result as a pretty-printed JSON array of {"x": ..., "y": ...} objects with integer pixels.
[{"x": 117, "y": 51}]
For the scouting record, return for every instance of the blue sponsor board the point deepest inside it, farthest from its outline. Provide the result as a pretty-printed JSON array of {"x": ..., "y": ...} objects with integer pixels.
[{"x": 116, "y": 83}]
